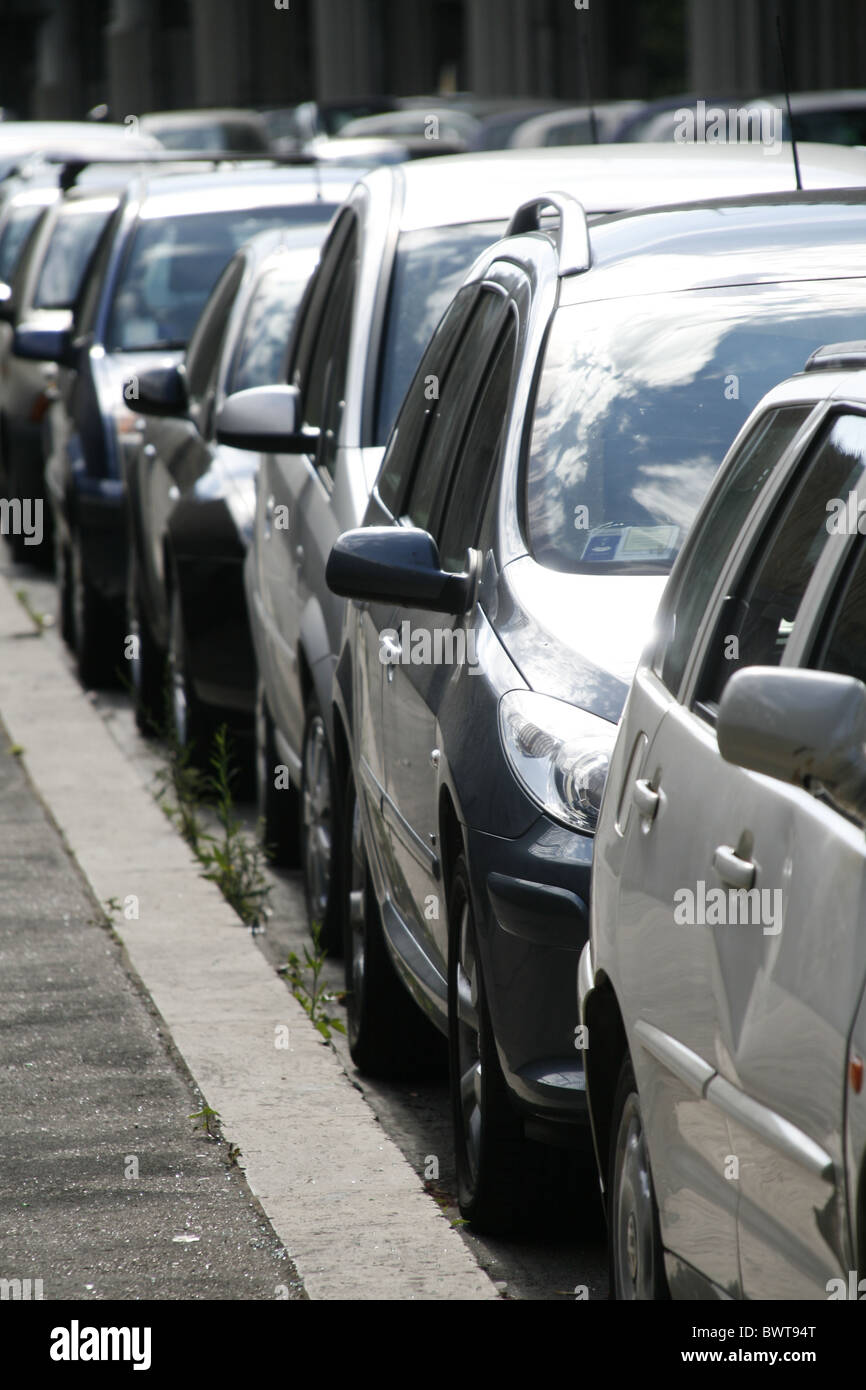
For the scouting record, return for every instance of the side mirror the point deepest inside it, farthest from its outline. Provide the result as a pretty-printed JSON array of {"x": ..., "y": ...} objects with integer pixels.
[
  {"x": 162, "y": 391},
  {"x": 7, "y": 303},
  {"x": 45, "y": 344},
  {"x": 265, "y": 419},
  {"x": 397, "y": 564},
  {"x": 798, "y": 726}
]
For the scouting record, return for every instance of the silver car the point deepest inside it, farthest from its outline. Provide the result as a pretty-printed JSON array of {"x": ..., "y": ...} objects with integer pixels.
[
  {"x": 722, "y": 987},
  {"x": 398, "y": 250}
]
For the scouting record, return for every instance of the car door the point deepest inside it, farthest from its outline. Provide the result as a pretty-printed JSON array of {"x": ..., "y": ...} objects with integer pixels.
[
  {"x": 295, "y": 489},
  {"x": 789, "y": 997},
  {"x": 423, "y": 652},
  {"x": 666, "y": 968}
]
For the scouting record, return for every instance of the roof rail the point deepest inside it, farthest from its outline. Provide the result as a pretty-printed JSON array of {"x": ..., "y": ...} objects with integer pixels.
[
  {"x": 71, "y": 168},
  {"x": 572, "y": 234},
  {"x": 836, "y": 357}
]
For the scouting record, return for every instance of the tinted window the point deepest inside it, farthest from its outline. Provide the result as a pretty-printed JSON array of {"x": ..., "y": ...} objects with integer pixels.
[
  {"x": 326, "y": 376},
  {"x": 683, "y": 607},
  {"x": 428, "y": 268},
  {"x": 450, "y": 411},
  {"x": 172, "y": 267},
  {"x": 72, "y": 244},
  {"x": 758, "y": 618},
  {"x": 478, "y": 457},
  {"x": 207, "y": 340},
  {"x": 16, "y": 229},
  {"x": 844, "y": 648},
  {"x": 639, "y": 400},
  {"x": 408, "y": 434}
]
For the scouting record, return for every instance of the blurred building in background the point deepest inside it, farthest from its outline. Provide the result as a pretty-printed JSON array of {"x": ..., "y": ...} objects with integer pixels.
[{"x": 59, "y": 58}]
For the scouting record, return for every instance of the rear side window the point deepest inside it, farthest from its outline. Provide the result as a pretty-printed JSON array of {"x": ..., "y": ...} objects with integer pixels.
[
  {"x": 758, "y": 617},
  {"x": 708, "y": 549},
  {"x": 15, "y": 231}
]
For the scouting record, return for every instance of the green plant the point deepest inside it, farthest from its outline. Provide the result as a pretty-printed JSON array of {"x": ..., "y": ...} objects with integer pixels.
[
  {"x": 313, "y": 996},
  {"x": 210, "y": 1121},
  {"x": 231, "y": 859},
  {"x": 40, "y": 620}
]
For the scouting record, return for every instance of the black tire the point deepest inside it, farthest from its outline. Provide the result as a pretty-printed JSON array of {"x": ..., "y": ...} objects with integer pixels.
[
  {"x": 320, "y": 831},
  {"x": 191, "y": 720},
  {"x": 93, "y": 625},
  {"x": 147, "y": 662},
  {"x": 388, "y": 1034},
  {"x": 278, "y": 806},
  {"x": 637, "y": 1269}
]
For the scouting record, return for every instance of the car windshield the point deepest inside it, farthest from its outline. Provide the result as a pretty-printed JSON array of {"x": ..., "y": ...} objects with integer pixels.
[
  {"x": 639, "y": 400},
  {"x": 428, "y": 268},
  {"x": 174, "y": 264},
  {"x": 13, "y": 235},
  {"x": 72, "y": 244}
]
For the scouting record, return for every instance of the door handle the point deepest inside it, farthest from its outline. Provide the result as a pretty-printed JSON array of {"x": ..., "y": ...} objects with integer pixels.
[
  {"x": 731, "y": 869},
  {"x": 646, "y": 798}
]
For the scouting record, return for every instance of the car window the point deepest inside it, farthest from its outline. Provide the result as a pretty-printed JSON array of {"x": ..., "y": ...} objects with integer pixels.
[
  {"x": 324, "y": 392},
  {"x": 13, "y": 234},
  {"x": 206, "y": 345},
  {"x": 638, "y": 401},
  {"x": 429, "y": 266},
  {"x": 171, "y": 268},
  {"x": 260, "y": 356},
  {"x": 758, "y": 616},
  {"x": 841, "y": 647},
  {"x": 476, "y": 463},
  {"x": 407, "y": 436},
  {"x": 691, "y": 587},
  {"x": 450, "y": 411},
  {"x": 73, "y": 242}
]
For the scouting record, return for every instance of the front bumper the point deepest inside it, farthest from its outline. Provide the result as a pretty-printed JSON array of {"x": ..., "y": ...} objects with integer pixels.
[{"x": 532, "y": 908}]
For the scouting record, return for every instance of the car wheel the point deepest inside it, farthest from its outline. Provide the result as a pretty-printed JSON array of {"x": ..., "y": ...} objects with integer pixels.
[
  {"x": 92, "y": 623},
  {"x": 190, "y": 720},
  {"x": 388, "y": 1034},
  {"x": 278, "y": 805},
  {"x": 320, "y": 835},
  {"x": 147, "y": 662},
  {"x": 637, "y": 1268}
]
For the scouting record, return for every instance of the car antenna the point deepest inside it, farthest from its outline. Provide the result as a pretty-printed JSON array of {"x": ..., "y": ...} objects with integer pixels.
[
  {"x": 593, "y": 120},
  {"x": 788, "y": 101}
]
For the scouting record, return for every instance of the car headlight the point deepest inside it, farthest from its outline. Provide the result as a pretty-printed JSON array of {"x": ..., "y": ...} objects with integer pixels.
[{"x": 559, "y": 754}]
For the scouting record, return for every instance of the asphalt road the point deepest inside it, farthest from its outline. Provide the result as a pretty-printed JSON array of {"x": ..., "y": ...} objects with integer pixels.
[
  {"x": 107, "y": 1188},
  {"x": 568, "y": 1257}
]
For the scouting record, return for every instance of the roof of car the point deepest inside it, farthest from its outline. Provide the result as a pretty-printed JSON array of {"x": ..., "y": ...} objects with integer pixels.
[
  {"x": 765, "y": 238},
  {"x": 169, "y": 120},
  {"x": 609, "y": 178},
  {"x": 172, "y": 195}
]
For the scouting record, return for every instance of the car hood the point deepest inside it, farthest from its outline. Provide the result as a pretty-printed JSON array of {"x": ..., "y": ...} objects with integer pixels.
[{"x": 578, "y": 637}]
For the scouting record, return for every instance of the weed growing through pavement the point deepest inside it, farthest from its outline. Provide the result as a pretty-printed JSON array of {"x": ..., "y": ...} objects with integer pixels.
[
  {"x": 40, "y": 620},
  {"x": 311, "y": 994},
  {"x": 210, "y": 1121},
  {"x": 232, "y": 860}
]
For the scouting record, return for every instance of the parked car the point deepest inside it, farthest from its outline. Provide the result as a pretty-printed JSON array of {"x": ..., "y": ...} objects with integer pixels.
[
  {"x": 158, "y": 260},
  {"x": 23, "y": 141},
  {"x": 43, "y": 295},
  {"x": 575, "y": 125},
  {"x": 192, "y": 501},
  {"x": 215, "y": 131},
  {"x": 513, "y": 554},
  {"x": 395, "y": 256},
  {"x": 18, "y": 217},
  {"x": 722, "y": 988}
]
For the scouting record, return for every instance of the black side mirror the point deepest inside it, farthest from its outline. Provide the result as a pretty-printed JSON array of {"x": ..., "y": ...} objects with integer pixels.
[
  {"x": 397, "y": 564},
  {"x": 159, "y": 391},
  {"x": 45, "y": 344}
]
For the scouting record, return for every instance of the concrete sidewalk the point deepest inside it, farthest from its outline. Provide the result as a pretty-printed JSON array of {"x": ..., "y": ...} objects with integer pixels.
[{"x": 344, "y": 1202}]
